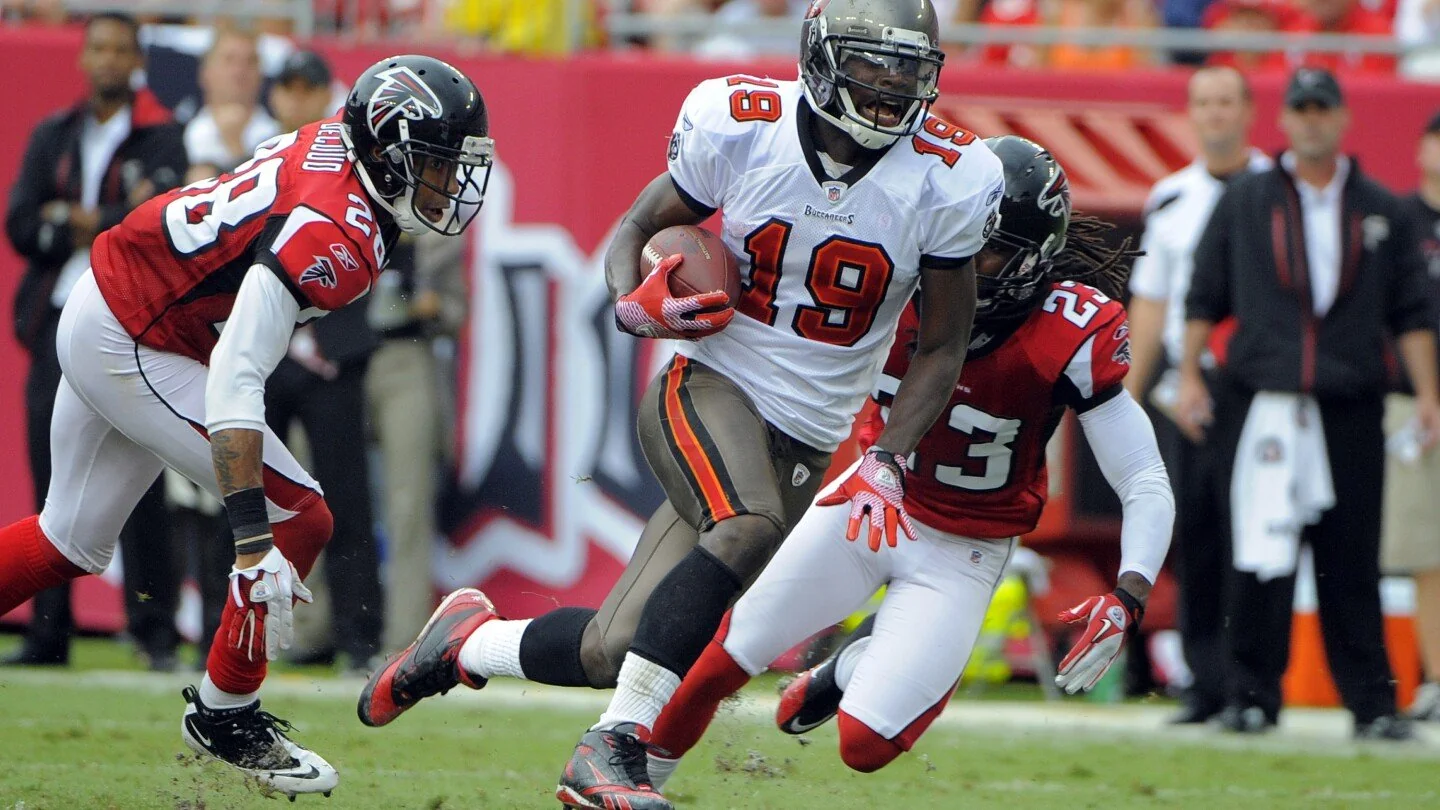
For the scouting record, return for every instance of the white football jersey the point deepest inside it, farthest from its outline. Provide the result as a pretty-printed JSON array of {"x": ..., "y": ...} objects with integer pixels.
[{"x": 828, "y": 264}]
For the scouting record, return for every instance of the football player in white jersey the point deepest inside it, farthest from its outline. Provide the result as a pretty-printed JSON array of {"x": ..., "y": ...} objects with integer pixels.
[{"x": 840, "y": 193}]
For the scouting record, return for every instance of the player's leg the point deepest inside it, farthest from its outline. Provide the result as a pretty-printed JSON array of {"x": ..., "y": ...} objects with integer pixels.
[
  {"x": 96, "y": 478},
  {"x": 816, "y": 579},
  {"x": 924, "y": 632},
  {"x": 157, "y": 401},
  {"x": 710, "y": 448}
]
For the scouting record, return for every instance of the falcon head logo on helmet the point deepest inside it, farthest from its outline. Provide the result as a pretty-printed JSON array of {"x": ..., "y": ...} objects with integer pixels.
[{"x": 401, "y": 92}]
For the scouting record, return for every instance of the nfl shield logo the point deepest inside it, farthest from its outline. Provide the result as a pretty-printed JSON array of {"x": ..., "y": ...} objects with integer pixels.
[
  {"x": 833, "y": 191},
  {"x": 975, "y": 556}
]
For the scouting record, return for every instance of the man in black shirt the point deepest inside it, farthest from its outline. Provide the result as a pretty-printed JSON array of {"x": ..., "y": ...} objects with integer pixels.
[{"x": 1319, "y": 266}]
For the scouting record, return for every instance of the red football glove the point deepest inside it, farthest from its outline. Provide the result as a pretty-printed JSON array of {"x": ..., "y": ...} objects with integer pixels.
[
  {"x": 876, "y": 491},
  {"x": 651, "y": 311},
  {"x": 1108, "y": 622}
]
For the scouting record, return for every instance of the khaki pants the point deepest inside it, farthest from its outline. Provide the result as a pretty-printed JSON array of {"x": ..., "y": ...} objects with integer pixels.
[{"x": 401, "y": 388}]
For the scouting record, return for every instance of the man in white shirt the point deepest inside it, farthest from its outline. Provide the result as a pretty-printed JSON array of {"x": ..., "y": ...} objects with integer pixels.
[
  {"x": 232, "y": 123},
  {"x": 1222, "y": 112}
]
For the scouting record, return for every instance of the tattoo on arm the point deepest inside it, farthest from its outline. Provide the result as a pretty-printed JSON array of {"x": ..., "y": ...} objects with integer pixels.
[{"x": 238, "y": 456}]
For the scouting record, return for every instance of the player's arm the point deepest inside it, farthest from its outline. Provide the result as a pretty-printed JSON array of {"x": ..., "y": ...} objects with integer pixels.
[
  {"x": 947, "y": 312},
  {"x": 1123, "y": 441},
  {"x": 255, "y": 338},
  {"x": 659, "y": 206}
]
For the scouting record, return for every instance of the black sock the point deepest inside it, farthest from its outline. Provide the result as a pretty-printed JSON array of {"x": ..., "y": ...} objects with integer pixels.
[
  {"x": 550, "y": 647},
  {"x": 684, "y": 612}
]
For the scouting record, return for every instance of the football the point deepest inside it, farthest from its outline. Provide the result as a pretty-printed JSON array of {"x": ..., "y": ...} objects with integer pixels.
[{"x": 708, "y": 264}]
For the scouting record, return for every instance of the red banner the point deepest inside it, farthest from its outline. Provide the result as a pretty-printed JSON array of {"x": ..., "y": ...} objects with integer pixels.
[{"x": 552, "y": 488}]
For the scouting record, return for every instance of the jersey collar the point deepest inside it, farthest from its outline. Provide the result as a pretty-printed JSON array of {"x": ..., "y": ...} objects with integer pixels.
[{"x": 805, "y": 119}]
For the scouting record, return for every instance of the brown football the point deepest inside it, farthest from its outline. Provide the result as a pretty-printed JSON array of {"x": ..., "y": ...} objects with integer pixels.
[{"x": 708, "y": 264}]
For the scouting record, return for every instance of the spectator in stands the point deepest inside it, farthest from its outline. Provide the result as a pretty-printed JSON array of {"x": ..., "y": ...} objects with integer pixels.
[
  {"x": 1251, "y": 17},
  {"x": 1318, "y": 265},
  {"x": 1410, "y": 545},
  {"x": 1012, "y": 13},
  {"x": 729, "y": 43},
  {"x": 232, "y": 123},
  {"x": 1221, "y": 112},
  {"x": 535, "y": 27},
  {"x": 1102, "y": 14},
  {"x": 1342, "y": 17},
  {"x": 84, "y": 169},
  {"x": 1417, "y": 22},
  {"x": 413, "y": 307},
  {"x": 321, "y": 384}
]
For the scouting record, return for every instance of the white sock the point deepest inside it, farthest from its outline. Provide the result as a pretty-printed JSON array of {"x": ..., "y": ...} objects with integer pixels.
[
  {"x": 849, "y": 659},
  {"x": 641, "y": 692},
  {"x": 660, "y": 769},
  {"x": 214, "y": 698},
  {"x": 494, "y": 649}
]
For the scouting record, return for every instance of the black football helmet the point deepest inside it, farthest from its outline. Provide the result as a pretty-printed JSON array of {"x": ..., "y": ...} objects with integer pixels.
[
  {"x": 1034, "y": 216},
  {"x": 888, "y": 50},
  {"x": 412, "y": 123}
]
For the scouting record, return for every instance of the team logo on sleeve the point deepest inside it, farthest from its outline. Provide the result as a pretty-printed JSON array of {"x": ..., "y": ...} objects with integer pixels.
[
  {"x": 322, "y": 272},
  {"x": 674, "y": 147},
  {"x": 403, "y": 93}
]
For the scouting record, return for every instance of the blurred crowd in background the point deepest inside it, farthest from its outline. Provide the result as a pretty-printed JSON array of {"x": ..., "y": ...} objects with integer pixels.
[{"x": 734, "y": 28}]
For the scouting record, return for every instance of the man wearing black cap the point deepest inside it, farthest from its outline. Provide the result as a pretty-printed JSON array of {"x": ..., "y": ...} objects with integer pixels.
[
  {"x": 303, "y": 91},
  {"x": 1319, "y": 264}
]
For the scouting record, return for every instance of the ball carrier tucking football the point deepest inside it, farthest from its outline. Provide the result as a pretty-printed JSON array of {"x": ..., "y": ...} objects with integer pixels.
[
  {"x": 840, "y": 193},
  {"x": 166, "y": 344}
]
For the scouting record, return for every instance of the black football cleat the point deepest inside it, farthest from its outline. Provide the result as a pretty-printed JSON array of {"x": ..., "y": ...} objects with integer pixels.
[
  {"x": 810, "y": 699},
  {"x": 607, "y": 772},
  {"x": 431, "y": 664},
  {"x": 254, "y": 742}
]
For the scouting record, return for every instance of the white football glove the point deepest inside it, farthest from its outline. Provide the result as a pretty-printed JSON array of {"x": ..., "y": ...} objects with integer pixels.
[{"x": 266, "y": 593}]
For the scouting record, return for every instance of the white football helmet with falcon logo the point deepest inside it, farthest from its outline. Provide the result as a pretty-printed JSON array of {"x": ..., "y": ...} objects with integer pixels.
[{"x": 407, "y": 113}]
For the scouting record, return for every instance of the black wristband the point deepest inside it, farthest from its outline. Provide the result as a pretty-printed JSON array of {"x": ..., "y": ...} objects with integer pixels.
[
  {"x": 248, "y": 516},
  {"x": 255, "y": 545},
  {"x": 1137, "y": 610}
]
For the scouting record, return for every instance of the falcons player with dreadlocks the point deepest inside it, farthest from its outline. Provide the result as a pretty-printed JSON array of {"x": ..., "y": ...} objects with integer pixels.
[
  {"x": 168, "y": 339},
  {"x": 1045, "y": 340}
]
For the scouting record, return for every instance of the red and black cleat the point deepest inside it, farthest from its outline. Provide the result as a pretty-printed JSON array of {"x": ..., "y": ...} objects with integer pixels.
[
  {"x": 607, "y": 772},
  {"x": 810, "y": 700},
  {"x": 431, "y": 664}
]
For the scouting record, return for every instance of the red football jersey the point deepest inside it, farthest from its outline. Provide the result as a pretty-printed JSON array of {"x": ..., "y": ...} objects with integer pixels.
[
  {"x": 171, "y": 268},
  {"x": 980, "y": 471}
]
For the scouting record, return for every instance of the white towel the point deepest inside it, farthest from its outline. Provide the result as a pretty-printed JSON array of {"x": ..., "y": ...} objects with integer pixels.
[{"x": 1281, "y": 483}]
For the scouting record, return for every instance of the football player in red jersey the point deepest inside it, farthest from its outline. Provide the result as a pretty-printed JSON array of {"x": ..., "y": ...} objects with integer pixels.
[
  {"x": 1043, "y": 342},
  {"x": 166, "y": 344}
]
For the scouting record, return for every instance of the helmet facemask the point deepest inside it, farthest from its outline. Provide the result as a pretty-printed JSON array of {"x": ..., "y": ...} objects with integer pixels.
[
  {"x": 453, "y": 181},
  {"x": 875, "y": 91},
  {"x": 1012, "y": 290}
]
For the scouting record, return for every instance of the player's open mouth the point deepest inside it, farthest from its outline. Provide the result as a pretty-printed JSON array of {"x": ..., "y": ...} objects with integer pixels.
[{"x": 884, "y": 113}]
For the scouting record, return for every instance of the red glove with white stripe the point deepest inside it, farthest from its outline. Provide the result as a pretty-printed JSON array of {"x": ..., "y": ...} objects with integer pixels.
[
  {"x": 650, "y": 310},
  {"x": 876, "y": 493},
  {"x": 1109, "y": 621}
]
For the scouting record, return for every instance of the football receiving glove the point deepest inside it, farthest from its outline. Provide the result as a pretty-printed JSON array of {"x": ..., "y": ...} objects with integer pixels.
[
  {"x": 265, "y": 593},
  {"x": 876, "y": 492},
  {"x": 1109, "y": 620},
  {"x": 650, "y": 310}
]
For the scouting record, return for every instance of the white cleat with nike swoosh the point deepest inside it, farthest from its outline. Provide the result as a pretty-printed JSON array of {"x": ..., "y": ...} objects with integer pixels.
[{"x": 254, "y": 742}]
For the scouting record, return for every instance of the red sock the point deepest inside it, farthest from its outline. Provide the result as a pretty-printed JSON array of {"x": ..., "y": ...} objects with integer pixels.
[
  {"x": 863, "y": 749},
  {"x": 714, "y": 677},
  {"x": 30, "y": 563},
  {"x": 237, "y": 655}
]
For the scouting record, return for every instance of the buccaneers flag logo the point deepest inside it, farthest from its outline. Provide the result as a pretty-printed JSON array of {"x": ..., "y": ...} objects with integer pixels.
[{"x": 401, "y": 92}]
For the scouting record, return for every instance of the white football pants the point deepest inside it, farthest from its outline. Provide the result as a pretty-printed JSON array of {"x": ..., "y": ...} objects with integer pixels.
[
  {"x": 939, "y": 587},
  {"x": 122, "y": 414}
]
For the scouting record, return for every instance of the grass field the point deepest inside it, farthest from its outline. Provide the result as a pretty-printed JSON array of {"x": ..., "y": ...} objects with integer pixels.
[{"x": 106, "y": 736}]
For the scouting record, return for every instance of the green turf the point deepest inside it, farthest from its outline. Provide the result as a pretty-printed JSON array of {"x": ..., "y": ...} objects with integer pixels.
[{"x": 75, "y": 741}]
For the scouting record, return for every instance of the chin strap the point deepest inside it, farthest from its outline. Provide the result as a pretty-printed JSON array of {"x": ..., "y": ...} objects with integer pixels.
[{"x": 400, "y": 211}]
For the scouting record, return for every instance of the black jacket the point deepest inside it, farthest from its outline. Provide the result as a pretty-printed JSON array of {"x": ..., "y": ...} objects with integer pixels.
[
  {"x": 154, "y": 151},
  {"x": 1251, "y": 263}
]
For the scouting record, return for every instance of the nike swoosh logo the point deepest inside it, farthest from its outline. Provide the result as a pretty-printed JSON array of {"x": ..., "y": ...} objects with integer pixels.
[
  {"x": 1105, "y": 625},
  {"x": 195, "y": 731},
  {"x": 314, "y": 772}
]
